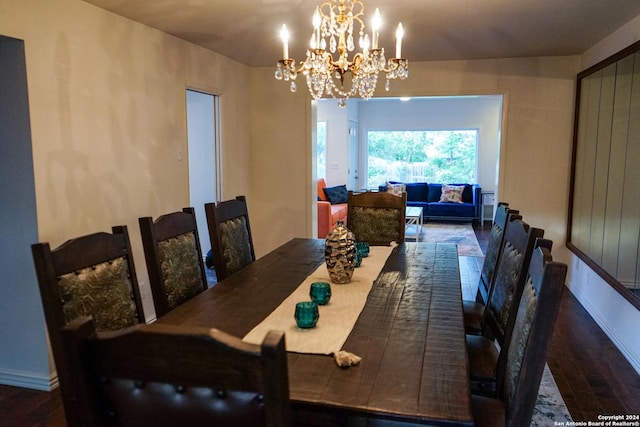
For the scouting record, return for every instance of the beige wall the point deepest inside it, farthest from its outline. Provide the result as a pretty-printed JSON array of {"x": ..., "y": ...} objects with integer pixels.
[
  {"x": 107, "y": 105},
  {"x": 281, "y": 161},
  {"x": 535, "y": 148},
  {"x": 108, "y": 116}
]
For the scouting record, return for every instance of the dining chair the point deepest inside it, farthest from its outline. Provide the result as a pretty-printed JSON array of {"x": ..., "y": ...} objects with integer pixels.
[
  {"x": 377, "y": 218},
  {"x": 166, "y": 375},
  {"x": 526, "y": 354},
  {"x": 89, "y": 275},
  {"x": 474, "y": 310},
  {"x": 498, "y": 318},
  {"x": 174, "y": 258},
  {"x": 230, "y": 234}
]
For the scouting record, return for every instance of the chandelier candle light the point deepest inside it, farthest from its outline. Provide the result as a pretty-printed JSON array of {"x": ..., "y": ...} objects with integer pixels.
[{"x": 334, "y": 21}]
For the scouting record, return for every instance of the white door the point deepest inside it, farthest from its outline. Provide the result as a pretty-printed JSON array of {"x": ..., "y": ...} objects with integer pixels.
[
  {"x": 203, "y": 157},
  {"x": 352, "y": 183}
]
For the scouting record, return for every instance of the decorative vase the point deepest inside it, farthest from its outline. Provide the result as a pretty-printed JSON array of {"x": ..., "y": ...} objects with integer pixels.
[{"x": 340, "y": 254}]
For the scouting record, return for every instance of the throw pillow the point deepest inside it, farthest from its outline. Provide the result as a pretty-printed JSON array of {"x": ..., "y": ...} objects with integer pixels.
[
  {"x": 452, "y": 193},
  {"x": 396, "y": 189},
  {"x": 337, "y": 194}
]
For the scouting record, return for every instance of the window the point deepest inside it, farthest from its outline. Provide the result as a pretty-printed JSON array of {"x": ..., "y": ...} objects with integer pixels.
[
  {"x": 422, "y": 156},
  {"x": 321, "y": 142}
]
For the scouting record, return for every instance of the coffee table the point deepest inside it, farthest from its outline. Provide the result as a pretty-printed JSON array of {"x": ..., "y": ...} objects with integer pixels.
[{"x": 413, "y": 218}]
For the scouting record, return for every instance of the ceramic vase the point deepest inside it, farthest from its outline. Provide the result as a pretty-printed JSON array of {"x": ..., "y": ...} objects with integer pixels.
[{"x": 340, "y": 254}]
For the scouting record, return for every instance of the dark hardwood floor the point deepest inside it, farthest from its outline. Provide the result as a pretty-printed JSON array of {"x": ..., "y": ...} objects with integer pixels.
[{"x": 593, "y": 377}]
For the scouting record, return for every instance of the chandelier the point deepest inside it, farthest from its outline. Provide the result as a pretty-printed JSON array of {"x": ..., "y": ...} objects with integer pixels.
[{"x": 334, "y": 24}]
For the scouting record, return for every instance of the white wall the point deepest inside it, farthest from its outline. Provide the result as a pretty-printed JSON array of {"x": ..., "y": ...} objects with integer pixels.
[
  {"x": 614, "y": 314},
  {"x": 439, "y": 113},
  {"x": 337, "y": 148}
]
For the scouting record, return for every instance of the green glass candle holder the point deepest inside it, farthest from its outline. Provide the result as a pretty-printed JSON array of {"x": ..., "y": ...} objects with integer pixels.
[
  {"x": 320, "y": 292},
  {"x": 363, "y": 249},
  {"x": 306, "y": 314}
]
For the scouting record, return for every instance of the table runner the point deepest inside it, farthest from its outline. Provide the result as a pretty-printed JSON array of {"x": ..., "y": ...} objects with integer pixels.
[{"x": 336, "y": 318}]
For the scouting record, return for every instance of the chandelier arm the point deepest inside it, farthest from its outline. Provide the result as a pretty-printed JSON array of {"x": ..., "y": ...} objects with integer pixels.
[{"x": 337, "y": 20}]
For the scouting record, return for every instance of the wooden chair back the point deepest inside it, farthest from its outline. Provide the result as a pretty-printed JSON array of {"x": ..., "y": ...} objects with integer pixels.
[
  {"x": 510, "y": 275},
  {"x": 377, "y": 217},
  {"x": 174, "y": 258},
  {"x": 526, "y": 354},
  {"x": 165, "y": 375},
  {"x": 230, "y": 234},
  {"x": 532, "y": 331},
  {"x": 494, "y": 247},
  {"x": 92, "y": 275}
]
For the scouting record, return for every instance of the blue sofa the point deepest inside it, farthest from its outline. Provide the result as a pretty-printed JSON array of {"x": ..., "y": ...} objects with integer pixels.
[{"x": 427, "y": 196}]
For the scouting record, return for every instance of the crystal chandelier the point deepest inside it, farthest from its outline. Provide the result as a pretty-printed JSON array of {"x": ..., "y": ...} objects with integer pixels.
[{"x": 334, "y": 21}]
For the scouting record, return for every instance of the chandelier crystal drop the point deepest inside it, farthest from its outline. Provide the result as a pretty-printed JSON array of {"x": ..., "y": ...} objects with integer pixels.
[{"x": 334, "y": 26}]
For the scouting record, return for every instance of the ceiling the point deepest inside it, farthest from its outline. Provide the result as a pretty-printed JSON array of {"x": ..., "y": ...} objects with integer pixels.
[{"x": 247, "y": 30}]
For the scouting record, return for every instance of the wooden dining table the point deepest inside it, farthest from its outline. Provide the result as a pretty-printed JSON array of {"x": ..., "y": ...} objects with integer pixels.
[{"x": 410, "y": 336}]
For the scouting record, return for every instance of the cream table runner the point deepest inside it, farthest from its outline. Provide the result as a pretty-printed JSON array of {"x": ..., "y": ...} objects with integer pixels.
[{"x": 336, "y": 318}]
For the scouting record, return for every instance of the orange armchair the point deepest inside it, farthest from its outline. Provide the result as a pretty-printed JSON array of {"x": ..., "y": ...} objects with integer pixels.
[{"x": 328, "y": 214}]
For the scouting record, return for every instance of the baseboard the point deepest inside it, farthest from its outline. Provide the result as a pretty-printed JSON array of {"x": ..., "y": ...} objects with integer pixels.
[
  {"x": 606, "y": 327},
  {"x": 29, "y": 380}
]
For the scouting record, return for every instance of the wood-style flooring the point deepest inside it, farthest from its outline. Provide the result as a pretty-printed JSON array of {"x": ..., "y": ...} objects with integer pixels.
[{"x": 593, "y": 377}]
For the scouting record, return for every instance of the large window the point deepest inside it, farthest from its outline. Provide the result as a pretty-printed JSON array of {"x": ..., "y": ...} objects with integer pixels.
[{"x": 445, "y": 156}]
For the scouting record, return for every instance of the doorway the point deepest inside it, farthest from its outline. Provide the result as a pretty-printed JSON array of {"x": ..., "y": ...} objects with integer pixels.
[
  {"x": 353, "y": 156},
  {"x": 204, "y": 159}
]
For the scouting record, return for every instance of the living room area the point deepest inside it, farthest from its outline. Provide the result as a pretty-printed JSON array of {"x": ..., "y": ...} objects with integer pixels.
[{"x": 345, "y": 154}]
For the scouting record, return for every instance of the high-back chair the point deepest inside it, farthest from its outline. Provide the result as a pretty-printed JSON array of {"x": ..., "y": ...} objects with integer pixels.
[
  {"x": 174, "y": 258},
  {"x": 230, "y": 234},
  {"x": 510, "y": 275},
  {"x": 92, "y": 275},
  {"x": 526, "y": 354},
  {"x": 496, "y": 238},
  {"x": 499, "y": 314},
  {"x": 474, "y": 310},
  {"x": 165, "y": 375},
  {"x": 377, "y": 218}
]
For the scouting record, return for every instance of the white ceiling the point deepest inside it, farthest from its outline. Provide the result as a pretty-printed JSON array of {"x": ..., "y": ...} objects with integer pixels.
[{"x": 247, "y": 30}]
